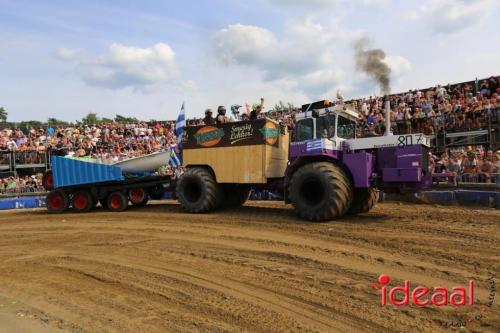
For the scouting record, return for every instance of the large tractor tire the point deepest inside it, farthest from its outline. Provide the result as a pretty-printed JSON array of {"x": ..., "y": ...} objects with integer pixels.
[
  {"x": 57, "y": 201},
  {"x": 82, "y": 201},
  {"x": 116, "y": 202},
  {"x": 235, "y": 195},
  {"x": 138, "y": 196},
  {"x": 198, "y": 192},
  {"x": 320, "y": 191},
  {"x": 364, "y": 200}
]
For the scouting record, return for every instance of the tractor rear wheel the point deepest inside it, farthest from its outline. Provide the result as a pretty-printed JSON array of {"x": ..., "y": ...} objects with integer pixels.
[
  {"x": 320, "y": 191},
  {"x": 364, "y": 200},
  {"x": 82, "y": 201},
  {"x": 138, "y": 197},
  {"x": 56, "y": 201},
  {"x": 235, "y": 195},
  {"x": 116, "y": 202},
  {"x": 198, "y": 192}
]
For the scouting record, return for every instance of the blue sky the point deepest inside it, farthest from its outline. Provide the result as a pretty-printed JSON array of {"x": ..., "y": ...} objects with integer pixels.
[{"x": 64, "y": 59}]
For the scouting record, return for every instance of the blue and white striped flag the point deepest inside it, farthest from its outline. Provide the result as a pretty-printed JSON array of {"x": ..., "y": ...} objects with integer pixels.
[
  {"x": 174, "y": 161},
  {"x": 179, "y": 129},
  {"x": 179, "y": 125}
]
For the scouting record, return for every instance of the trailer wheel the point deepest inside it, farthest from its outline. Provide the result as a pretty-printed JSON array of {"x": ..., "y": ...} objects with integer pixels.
[
  {"x": 48, "y": 180},
  {"x": 235, "y": 195},
  {"x": 116, "y": 202},
  {"x": 138, "y": 196},
  {"x": 364, "y": 200},
  {"x": 56, "y": 201},
  {"x": 320, "y": 191},
  {"x": 82, "y": 201},
  {"x": 198, "y": 192}
]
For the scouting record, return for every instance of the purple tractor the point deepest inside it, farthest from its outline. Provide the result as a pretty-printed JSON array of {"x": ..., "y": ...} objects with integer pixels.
[{"x": 325, "y": 172}]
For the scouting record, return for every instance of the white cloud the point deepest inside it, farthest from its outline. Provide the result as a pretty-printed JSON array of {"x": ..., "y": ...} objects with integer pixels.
[
  {"x": 449, "y": 16},
  {"x": 126, "y": 66},
  {"x": 307, "y": 57},
  {"x": 399, "y": 66},
  {"x": 304, "y": 52}
]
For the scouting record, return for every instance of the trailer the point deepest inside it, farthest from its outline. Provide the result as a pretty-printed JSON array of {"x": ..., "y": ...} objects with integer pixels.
[{"x": 82, "y": 184}]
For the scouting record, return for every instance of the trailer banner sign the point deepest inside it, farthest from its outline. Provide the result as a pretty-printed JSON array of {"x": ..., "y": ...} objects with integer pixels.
[{"x": 243, "y": 133}]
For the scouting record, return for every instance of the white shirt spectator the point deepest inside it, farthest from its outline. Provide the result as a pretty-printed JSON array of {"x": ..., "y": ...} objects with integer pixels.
[
  {"x": 364, "y": 109},
  {"x": 11, "y": 145}
]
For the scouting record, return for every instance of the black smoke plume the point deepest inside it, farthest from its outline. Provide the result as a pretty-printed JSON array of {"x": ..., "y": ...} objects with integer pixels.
[{"x": 370, "y": 61}]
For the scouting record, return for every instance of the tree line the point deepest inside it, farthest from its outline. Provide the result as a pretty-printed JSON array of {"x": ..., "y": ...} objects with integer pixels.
[{"x": 90, "y": 119}]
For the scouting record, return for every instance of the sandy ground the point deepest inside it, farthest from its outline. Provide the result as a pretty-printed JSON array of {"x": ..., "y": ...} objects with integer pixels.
[{"x": 254, "y": 269}]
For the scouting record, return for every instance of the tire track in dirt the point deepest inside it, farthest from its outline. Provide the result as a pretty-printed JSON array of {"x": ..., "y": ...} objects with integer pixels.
[{"x": 256, "y": 269}]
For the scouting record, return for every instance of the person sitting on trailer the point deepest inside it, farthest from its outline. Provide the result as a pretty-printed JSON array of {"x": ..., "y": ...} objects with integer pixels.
[
  {"x": 221, "y": 115},
  {"x": 208, "y": 120}
]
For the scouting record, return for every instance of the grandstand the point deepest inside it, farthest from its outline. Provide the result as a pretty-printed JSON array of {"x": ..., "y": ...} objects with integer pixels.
[{"x": 462, "y": 120}]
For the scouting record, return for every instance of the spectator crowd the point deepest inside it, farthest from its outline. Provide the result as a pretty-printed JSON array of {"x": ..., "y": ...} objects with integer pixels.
[
  {"x": 459, "y": 107},
  {"x": 26, "y": 184},
  {"x": 451, "y": 108},
  {"x": 466, "y": 165}
]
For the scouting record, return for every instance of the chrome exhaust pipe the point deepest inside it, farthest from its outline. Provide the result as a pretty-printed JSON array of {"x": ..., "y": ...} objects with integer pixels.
[{"x": 387, "y": 116}]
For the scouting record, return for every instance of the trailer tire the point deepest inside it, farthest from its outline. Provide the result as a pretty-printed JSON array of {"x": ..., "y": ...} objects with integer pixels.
[
  {"x": 198, "y": 192},
  {"x": 48, "y": 180},
  {"x": 364, "y": 200},
  {"x": 82, "y": 201},
  {"x": 56, "y": 201},
  {"x": 320, "y": 191},
  {"x": 235, "y": 195},
  {"x": 116, "y": 202},
  {"x": 138, "y": 196}
]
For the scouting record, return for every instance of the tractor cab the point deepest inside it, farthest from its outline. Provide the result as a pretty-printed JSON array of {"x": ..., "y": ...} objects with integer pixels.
[{"x": 323, "y": 121}]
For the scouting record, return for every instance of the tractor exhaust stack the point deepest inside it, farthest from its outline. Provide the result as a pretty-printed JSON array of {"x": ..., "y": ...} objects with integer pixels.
[{"x": 387, "y": 116}]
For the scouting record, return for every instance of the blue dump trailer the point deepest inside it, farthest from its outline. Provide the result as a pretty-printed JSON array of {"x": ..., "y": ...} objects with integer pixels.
[{"x": 82, "y": 184}]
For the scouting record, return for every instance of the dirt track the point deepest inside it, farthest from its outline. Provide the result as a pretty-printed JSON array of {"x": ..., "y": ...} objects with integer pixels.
[{"x": 254, "y": 269}]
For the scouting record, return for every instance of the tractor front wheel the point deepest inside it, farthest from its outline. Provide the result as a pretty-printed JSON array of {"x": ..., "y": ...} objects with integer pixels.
[
  {"x": 320, "y": 191},
  {"x": 198, "y": 192}
]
